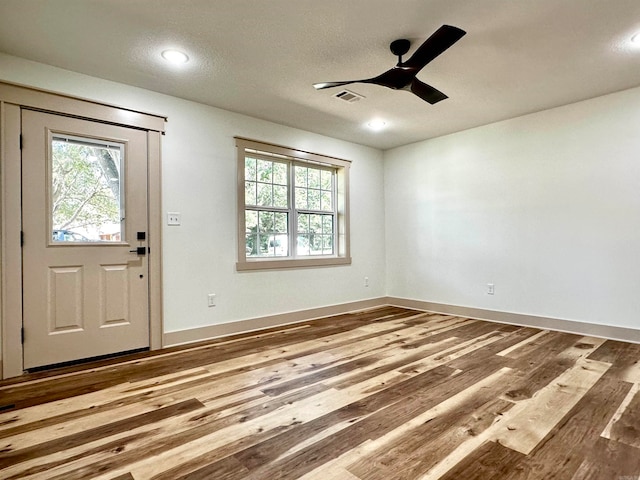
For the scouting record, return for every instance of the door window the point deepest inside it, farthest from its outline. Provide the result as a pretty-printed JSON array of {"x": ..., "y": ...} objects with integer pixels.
[{"x": 86, "y": 190}]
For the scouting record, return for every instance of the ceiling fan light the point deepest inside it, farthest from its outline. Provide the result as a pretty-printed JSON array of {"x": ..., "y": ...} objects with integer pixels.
[{"x": 175, "y": 56}]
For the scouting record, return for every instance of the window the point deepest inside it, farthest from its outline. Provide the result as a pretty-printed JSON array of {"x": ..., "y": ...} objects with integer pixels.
[
  {"x": 87, "y": 201},
  {"x": 292, "y": 208}
]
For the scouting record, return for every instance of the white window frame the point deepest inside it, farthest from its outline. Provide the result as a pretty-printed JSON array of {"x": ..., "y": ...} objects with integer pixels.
[{"x": 292, "y": 156}]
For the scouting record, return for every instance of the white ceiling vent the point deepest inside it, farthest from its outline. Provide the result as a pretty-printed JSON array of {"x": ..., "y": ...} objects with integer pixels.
[{"x": 348, "y": 96}]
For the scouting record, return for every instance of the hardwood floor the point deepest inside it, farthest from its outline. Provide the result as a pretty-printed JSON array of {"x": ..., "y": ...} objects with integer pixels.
[{"x": 388, "y": 393}]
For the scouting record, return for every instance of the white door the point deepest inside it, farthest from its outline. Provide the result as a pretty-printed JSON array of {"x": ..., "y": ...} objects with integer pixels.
[{"x": 84, "y": 199}]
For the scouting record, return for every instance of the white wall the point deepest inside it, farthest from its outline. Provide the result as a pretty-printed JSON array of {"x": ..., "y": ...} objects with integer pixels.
[
  {"x": 545, "y": 206},
  {"x": 199, "y": 179}
]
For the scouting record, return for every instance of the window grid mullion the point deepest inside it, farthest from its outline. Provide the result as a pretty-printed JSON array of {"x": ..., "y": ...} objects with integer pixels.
[
  {"x": 258, "y": 208},
  {"x": 293, "y": 218},
  {"x": 334, "y": 205}
]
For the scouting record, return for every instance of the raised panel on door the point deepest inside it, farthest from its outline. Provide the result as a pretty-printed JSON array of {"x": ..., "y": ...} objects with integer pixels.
[
  {"x": 84, "y": 189},
  {"x": 114, "y": 295},
  {"x": 64, "y": 299}
]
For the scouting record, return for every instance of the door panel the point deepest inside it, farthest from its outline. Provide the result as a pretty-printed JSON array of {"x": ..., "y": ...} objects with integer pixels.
[
  {"x": 84, "y": 193},
  {"x": 64, "y": 299},
  {"x": 114, "y": 295}
]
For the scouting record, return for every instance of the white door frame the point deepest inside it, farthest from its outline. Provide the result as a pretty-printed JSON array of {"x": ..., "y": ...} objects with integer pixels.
[{"x": 12, "y": 99}]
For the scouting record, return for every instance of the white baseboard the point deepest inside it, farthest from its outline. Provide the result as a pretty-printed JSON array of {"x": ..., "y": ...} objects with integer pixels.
[
  {"x": 180, "y": 337},
  {"x": 546, "y": 323}
]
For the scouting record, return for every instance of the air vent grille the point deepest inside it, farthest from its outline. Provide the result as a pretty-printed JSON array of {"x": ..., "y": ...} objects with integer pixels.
[{"x": 348, "y": 96}]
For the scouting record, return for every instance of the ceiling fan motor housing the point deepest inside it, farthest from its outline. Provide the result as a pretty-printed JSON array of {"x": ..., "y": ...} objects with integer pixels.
[{"x": 400, "y": 47}]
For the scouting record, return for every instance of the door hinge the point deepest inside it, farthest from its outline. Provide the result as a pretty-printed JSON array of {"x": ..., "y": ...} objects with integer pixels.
[
  {"x": 22, "y": 335},
  {"x": 22, "y": 239},
  {"x": 20, "y": 141}
]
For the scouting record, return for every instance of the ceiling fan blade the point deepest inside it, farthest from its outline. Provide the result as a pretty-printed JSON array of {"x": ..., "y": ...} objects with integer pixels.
[
  {"x": 320, "y": 86},
  {"x": 433, "y": 46},
  {"x": 427, "y": 92}
]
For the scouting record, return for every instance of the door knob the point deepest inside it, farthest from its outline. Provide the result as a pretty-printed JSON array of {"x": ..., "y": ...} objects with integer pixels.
[{"x": 139, "y": 250}]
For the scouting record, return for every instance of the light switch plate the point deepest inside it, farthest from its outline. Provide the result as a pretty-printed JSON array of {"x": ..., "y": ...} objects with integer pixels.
[{"x": 174, "y": 218}]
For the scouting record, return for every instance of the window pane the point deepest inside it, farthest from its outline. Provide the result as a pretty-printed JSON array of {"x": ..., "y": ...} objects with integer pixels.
[
  {"x": 280, "y": 174},
  {"x": 325, "y": 201},
  {"x": 278, "y": 246},
  {"x": 266, "y": 234},
  {"x": 281, "y": 223},
  {"x": 251, "y": 221},
  {"x": 303, "y": 223},
  {"x": 313, "y": 197},
  {"x": 327, "y": 224},
  {"x": 301, "y": 198},
  {"x": 265, "y": 171},
  {"x": 87, "y": 193},
  {"x": 303, "y": 244},
  {"x": 280, "y": 198},
  {"x": 249, "y": 168},
  {"x": 314, "y": 178},
  {"x": 251, "y": 245},
  {"x": 327, "y": 244},
  {"x": 315, "y": 246},
  {"x": 326, "y": 180},
  {"x": 265, "y": 222},
  {"x": 301, "y": 176},
  {"x": 272, "y": 245},
  {"x": 265, "y": 195},
  {"x": 315, "y": 223},
  {"x": 263, "y": 245},
  {"x": 315, "y": 234},
  {"x": 250, "y": 193}
]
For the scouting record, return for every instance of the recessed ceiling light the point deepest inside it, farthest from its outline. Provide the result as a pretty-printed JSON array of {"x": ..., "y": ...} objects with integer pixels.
[
  {"x": 376, "y": 124},
  {"x": 635, "y": 39},
  {"x": 175, "y": 56}
]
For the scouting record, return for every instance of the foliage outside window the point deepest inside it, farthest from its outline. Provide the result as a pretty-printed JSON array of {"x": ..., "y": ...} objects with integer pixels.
[{"x": 293, "y": 208}]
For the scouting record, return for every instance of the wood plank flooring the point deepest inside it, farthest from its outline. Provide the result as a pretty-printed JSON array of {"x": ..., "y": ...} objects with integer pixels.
[{"x": 387, "y": 393}]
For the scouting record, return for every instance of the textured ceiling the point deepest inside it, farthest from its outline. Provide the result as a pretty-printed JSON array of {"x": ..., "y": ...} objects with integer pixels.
[{"x": 261, "y": 57}]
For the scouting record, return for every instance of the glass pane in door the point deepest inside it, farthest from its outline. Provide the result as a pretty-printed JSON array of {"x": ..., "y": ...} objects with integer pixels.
[{"x": 87, "y": 191}]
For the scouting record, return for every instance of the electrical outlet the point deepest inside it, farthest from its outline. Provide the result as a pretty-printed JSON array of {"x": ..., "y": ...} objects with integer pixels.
[
  {"x": 174, "y": 218},
  {"x": 366, "y": 281},
  {"x": 491, "y": 289},
  {"x": 211, "y": 298}
]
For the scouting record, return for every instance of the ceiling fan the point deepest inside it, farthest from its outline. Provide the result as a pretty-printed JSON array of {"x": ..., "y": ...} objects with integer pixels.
[{"x": 403, "y": 75}]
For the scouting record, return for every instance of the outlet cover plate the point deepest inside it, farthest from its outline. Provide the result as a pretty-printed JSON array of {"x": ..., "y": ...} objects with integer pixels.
[{"x": 174, "y": 218}]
